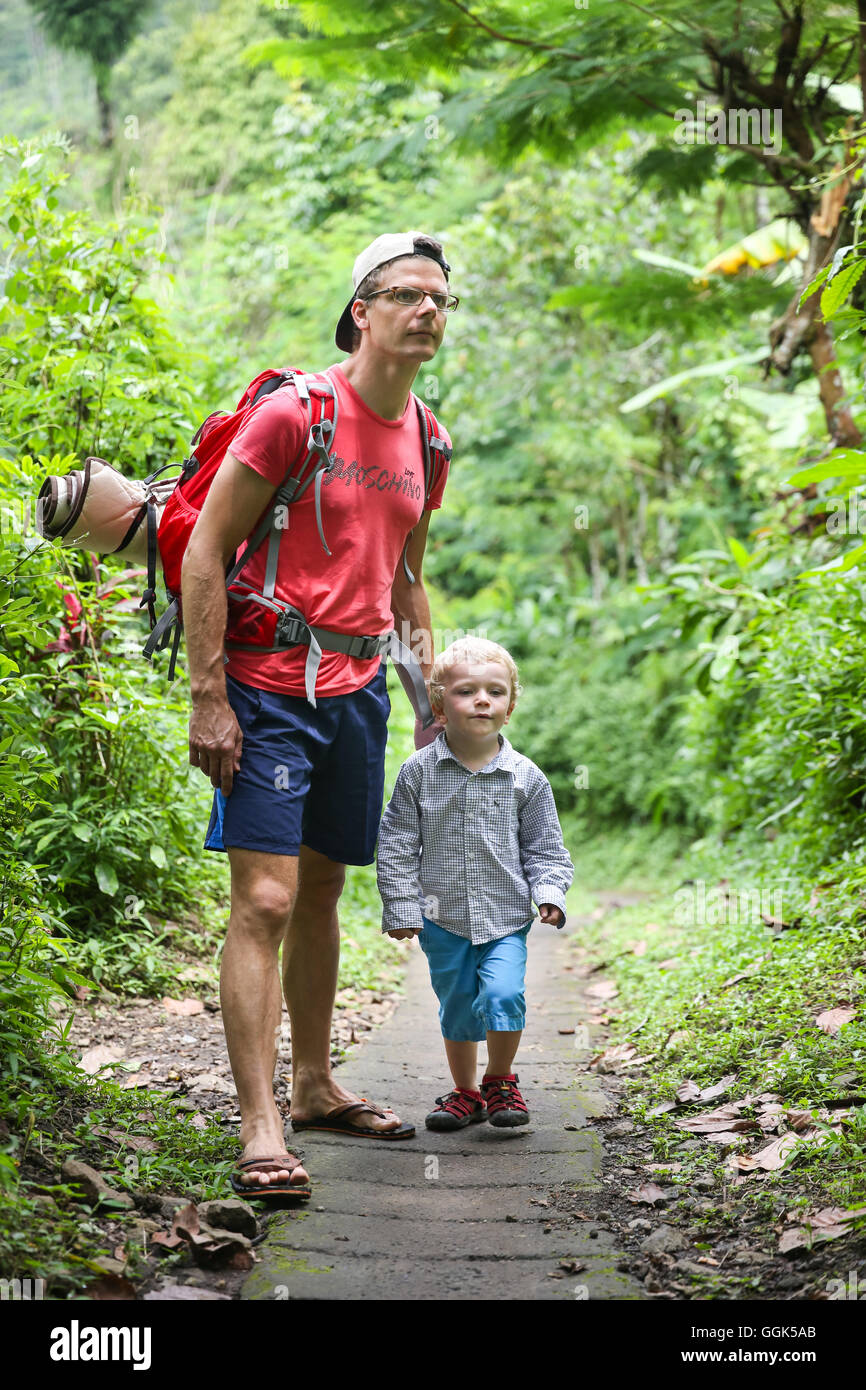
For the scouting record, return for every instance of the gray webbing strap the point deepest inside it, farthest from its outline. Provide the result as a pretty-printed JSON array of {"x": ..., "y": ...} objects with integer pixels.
[
  {"x": 161, "y": 626},
  {"x": 425, "y": 444},
  {"x": 411, "y": 678}
]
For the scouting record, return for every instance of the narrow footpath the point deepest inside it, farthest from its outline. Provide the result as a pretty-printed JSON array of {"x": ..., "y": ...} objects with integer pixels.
[{"x": 452, "y": 1216}]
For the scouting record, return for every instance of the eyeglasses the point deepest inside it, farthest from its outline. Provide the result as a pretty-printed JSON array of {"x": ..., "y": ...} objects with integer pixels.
[{"x": 406, "y": 294}]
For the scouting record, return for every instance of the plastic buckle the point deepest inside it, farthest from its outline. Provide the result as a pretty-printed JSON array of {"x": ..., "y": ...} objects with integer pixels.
[{"x": 288, "y": 630}]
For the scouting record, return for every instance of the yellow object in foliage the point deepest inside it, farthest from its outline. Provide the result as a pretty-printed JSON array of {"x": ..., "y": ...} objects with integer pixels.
[{"x": 780, "y": 240}]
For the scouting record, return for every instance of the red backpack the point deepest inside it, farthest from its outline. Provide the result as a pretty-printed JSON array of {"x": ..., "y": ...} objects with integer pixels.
[{"x": 258, "y": 620}]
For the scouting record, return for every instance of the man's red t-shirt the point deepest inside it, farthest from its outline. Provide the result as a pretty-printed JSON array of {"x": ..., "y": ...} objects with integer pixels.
[{"x": 370, "y": 503}]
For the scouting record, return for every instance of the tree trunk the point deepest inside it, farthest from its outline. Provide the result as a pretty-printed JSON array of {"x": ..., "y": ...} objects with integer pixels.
[
  {"x": 840, "y": 422},
  {"x": 103, "y": 100},
  {"x": 640, "y": 532},
  {"x": 803, "y": 328}
]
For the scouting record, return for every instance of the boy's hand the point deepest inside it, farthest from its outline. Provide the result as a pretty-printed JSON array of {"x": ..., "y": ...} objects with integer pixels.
[
  {"x": 402, "y": 934},
  {"x": 549, "y": 913}
]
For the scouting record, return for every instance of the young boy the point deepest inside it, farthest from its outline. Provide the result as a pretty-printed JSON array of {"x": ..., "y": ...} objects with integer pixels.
[{"x": 471, "y": 835}]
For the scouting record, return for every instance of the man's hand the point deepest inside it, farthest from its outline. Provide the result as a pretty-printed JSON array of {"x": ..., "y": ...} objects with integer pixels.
[
  {"x": 424, "y": 736},
  {"x": 215, "y": 741},
  {"x": 549, "y": 913},
  {"x": 404, "y": 932}
]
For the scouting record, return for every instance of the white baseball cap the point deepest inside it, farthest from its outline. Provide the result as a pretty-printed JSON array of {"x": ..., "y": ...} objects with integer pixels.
[{"x": 389, "y": 247}]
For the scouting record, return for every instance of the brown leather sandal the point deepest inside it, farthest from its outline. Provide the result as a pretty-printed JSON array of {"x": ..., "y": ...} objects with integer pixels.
[
  {"x": 337, "y": 1122},
  {"x": 268, "y": 1165}
]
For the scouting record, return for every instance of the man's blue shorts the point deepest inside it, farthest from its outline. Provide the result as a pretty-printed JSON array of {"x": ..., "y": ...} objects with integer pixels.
[
  {"x": 479, "y": 988},
  {"x": 307, "y": 776}
]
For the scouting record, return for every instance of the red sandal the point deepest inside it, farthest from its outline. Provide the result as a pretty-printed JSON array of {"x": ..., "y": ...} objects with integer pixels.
[
  {"x": 457, "y": 1109},
  {"x": 505, "y": 1105}
]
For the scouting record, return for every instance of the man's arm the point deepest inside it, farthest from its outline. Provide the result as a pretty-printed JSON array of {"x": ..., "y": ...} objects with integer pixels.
[
  {"x": 411, "y": 608},
  {"x": 236, "y": 499}
]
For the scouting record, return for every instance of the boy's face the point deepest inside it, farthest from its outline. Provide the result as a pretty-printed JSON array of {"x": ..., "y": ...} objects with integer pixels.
[{"x": 476, "y": 699}]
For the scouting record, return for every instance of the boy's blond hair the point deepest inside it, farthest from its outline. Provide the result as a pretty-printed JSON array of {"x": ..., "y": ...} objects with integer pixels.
[{"x": 469, "y": 650}]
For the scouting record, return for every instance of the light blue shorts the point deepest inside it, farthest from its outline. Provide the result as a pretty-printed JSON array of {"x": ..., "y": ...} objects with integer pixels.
[{"x": 479, "y": 988}]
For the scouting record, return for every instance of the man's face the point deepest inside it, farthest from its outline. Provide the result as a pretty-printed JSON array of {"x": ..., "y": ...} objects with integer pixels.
[{"x": 412, "y": 332}]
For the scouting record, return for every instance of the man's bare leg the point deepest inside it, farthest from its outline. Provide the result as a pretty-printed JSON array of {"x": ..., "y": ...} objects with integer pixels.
[
  {"x": 263, "y": 890},
  {"x": 311, "y": 955}
]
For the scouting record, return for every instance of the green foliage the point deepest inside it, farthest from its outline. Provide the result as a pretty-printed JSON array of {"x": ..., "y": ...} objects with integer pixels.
[
  {"x": 548, "y": 76},
  {"x": 87, "y": 363},
  {"x": 101, "y": 28},
  {"x": 782, "y": 738},
  {"x": 99, "y": 795}
]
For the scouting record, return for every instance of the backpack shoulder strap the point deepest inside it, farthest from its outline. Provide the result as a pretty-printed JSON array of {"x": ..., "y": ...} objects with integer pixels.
[
  {"x": 436, "y": 454},
  {"x": 317, "y": 394}
]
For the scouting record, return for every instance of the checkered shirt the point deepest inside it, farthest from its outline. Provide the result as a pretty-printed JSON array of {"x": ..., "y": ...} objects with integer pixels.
[{"x": 470, "y": 850}]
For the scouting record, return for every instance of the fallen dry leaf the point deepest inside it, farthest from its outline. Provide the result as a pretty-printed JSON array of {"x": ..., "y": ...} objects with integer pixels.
[
  {"x": 638, "y": 1061},
  {"x": 139, "y": 1143},
  {"x": 778, "y": 924},
  {"x": 670, "y": 964},
  {"x": 140, "y": 1078},
  {"x": 725, "y": 1117},
  {"x": 800, "y": 1120},
  {"x": 111, "y": 1288},
  {"x": 186, "y": 1222},
  {"x": 689, "y": 1090},
  {"x": 607, "y": 1061},
  {"x": 661, "y": 1109},
  {"x": 776, "y": 1154},
  {"x": 639, "y": 948},
  {"x": 831, "y": 1020},
  {"x": 718, "y": 1089},
  {"x": 184, "y": 1007},
  {"x": 167, "y": 1239},
  {"x": 95, "y": 1058},
  {"x": 648, "y": 1192},
  {"x": 827, "y": 1224},
  {"x": 603, "y": 989}
]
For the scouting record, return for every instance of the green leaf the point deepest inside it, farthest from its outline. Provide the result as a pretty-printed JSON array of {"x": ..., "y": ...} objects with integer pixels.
[
  {"x": 107, "y": 879},
  {"x": 740, "y": 553},
  {"x": 840, "y": 287},
  {"x": 82, "y": 831},
  {"x": 813, "y": 285},
  {"x": 841, "y": 565},
  {"x": 157, "y": 854},
  {"x": 668, "y": 262},
  {"x": 662, "y": 388},
  {"x": 842, "y": 463}
]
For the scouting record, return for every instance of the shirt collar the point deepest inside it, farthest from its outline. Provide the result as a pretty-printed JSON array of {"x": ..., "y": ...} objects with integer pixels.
[{"x": 503, "y": 759}]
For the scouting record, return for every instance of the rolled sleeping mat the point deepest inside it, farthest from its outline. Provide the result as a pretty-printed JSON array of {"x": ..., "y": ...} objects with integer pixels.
[{"x": 95, "y": 508}]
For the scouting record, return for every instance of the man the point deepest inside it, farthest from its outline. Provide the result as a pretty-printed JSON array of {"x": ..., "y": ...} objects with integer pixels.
[{"x": 300, "y": 788}]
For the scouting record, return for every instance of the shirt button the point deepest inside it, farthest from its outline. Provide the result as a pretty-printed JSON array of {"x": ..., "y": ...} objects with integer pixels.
[{"x": 470, "y": 855}]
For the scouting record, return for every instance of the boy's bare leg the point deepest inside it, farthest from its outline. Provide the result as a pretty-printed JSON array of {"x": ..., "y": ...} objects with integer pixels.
[
  {"x": 501, "y": 1052},
  {"x": 311, "y": 956},
  {"x": 463, "y": 1063},
  {"x": 263, "y": 889}
]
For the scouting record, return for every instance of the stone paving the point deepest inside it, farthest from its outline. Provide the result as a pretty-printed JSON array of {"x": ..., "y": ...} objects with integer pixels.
[{"x": 450, "y": 1216}]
